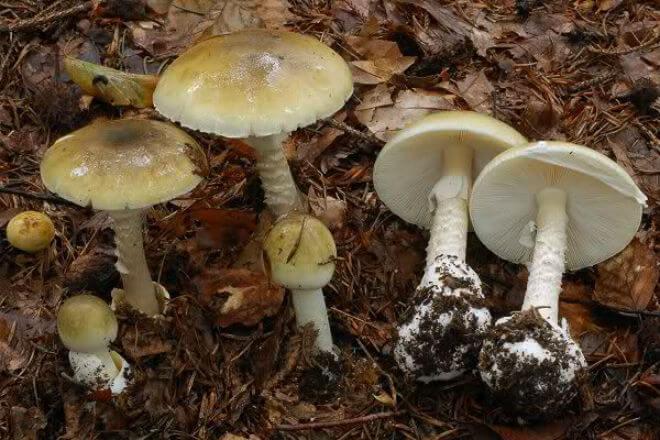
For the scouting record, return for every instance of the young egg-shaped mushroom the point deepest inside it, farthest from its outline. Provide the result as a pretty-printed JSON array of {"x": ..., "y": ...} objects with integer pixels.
[
  {"x": 258, "y": 85},
  {"x": 553, "y": 206},
  {"x": 30, "y": 231},
  {"x": 424, "y": 175},
  {"x": 86, "y": 326},
  {"x": 300, "y": 252},
  {"x": 124, "y": 167}
]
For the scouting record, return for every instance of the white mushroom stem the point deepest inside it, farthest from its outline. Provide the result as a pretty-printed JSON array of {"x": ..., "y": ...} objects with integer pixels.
[
  {"x": 109, "y": 366},
  {"x": 449, "y": 201},
  {"x": 139, "y": 289},
  {"x": 282, "y": 194},
  {"x": 309, "y": 306},
  {"x": 547, "y": 266}
]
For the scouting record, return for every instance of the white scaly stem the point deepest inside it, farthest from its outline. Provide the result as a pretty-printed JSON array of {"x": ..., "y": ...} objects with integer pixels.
[
  {"x": 449, "y": 202},
  {"x": 109, "y": 366},
  {"x": 281, "y": 191},
  {"x": 547, "y": 266},
  {"x": 309, "y": 306},
  {"x": 131, "y": 262}
]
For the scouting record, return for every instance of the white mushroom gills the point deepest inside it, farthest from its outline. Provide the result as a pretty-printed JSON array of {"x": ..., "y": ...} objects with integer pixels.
[
  {"x": 132, "y": 262},
  {"x": 448, "y": 201},
  {"x": 282, "y": 194},
  {"x": 547, "y": 266}
]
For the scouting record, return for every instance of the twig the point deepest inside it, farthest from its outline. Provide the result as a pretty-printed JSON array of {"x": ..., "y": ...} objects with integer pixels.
[
  {"x": 333, "y": 423},
  {"x": 367, "y": 137},
  {"x": 27, "y": 24},
  {"x": 627, "y": 312},
  {"x": 590, "y": 82},
  {"x": 36, "y": 196}
]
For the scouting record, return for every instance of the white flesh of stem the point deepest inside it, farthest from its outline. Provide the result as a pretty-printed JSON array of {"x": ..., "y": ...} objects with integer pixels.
[
  {"x": 109, "y": 366},
  {"x": 309, "y": 306},
  {"x": 281, "y": 191},
  {"x": 131, "y": 262},
  {"x": 449, "y": 202},
  {"x": 547, "y": 266}
]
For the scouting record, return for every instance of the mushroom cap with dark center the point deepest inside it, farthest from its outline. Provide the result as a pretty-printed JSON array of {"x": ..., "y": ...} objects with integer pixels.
[
  {"x": 410, "y": 164},
  {"x": 86, "y": 324},
  {"x": 440, "y": 336},
  {"x": 124, "y": 164},
  {"x": 531, "y": 365},
  {"x": 254, "y": 83}
]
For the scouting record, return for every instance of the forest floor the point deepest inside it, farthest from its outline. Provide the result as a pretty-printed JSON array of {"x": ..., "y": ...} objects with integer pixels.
[{"x": 584, "y": 71}]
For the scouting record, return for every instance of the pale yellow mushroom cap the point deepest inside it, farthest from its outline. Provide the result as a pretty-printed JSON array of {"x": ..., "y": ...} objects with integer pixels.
[
  {"x": 254, "y": 83},
  {"x": 603, "y": 203},
  {"x": 30, "y": 231},
  {"x": 301, "y": 252},
  {"x": 124, "y": 164},
  {"x": 410, "y": 164},
  {"x": 86, "y": 324}
]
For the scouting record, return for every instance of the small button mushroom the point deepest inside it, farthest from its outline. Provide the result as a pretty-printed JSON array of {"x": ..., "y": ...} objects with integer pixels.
[
  {"x": 30, "y": 231},
  {"x": 258, "y": 85},
  {"x": 424, "y": 175},
  {"x": 86, "y": 326},
  {"x": 124, "y": 167},
  {"x": 301, "y": 252},
  {"x": 552, "y": 205}
]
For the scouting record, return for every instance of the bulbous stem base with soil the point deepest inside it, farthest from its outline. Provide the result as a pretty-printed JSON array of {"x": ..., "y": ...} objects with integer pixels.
[
  {"x": 282, "y": 194},
  {"x": 132, "y": 263},
  {"x": 449, "y": 202},
  {"x": 547, "y": 266},
  {"x": 309, "y": 306}
]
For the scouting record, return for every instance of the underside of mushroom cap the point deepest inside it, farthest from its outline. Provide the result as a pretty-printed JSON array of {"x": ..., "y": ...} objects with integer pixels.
[
  {"x": 254, "y": 83},
  {"x": 604, "y": 206},
  {"x": 410, "y": 164},
  {"x": 123, "y": 164},
  {"x": 531, "y": 366},
  {"x": 440, "y": 336}
]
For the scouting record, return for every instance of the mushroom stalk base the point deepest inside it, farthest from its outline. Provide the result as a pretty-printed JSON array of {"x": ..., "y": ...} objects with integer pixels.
[
  {"x": 309, "y": 306},
  {"x": 547, "y": 267},
  {"x": 281, "y": 191},
  {"x": 131, "y": 261},
  {"x": 449, "y": 202}
]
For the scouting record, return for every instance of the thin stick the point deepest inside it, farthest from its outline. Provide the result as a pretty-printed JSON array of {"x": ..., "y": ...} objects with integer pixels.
[
  {"x": 36, "y": 196},
  {"x": 27, "y": 24},
  {"x": 320, "y": 425},
  {"x": 367, "y": 137}
]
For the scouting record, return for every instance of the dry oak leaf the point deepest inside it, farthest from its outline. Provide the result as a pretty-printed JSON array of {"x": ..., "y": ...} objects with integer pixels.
[
  {"x": 239, "y": 296},
  {"x": 629, "y": 279},
  {"x": 477, "y": 91},
  {"x": 381, "y": 59}
]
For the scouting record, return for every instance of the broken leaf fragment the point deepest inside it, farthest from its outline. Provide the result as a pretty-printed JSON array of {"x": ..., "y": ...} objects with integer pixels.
[{"x": 110, "y": 85}]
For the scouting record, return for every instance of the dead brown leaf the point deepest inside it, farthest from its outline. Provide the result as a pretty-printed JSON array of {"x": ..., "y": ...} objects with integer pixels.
[
  {"x": 628, "y": 280},
  {"x": 26, "y": 423},
  {"x": 477, "y": 90},
  {"x": 239, "y": 296},
  {"x": 381, "y": 59},
  {"x": 548, "y": 431},
  {"x": 222, "y": 228}
]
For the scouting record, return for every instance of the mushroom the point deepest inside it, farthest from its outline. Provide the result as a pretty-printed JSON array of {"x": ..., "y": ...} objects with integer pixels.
[
  {"x": 424, "y": 175},
  {"x": 300, "y": 252},
  {"x": 124, "y": 167},
  {"x": 30, "y": 231},
  {"x": 553, "y": 205},
  {"x": 258, "y": 85},
  {"x": 86, "y": 326}
]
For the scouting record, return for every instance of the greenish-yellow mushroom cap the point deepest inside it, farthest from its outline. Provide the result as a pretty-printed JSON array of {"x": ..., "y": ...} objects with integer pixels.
[
  {"x": 301, "y": 252},
  {"x": 254, "y": 83},
  {"x": 123, "y": 164},
  {"x": 86, "y": 324}
]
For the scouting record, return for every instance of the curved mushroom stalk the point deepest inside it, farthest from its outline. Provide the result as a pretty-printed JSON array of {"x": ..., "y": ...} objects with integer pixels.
[
  {"x": 139, "y": 289},
  {"x": 547, "y": 267},
  {"x": 309, "y": 306},
  {"x": 282, "y": 194}
]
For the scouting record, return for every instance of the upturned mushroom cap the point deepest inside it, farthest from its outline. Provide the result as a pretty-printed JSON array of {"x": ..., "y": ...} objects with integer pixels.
[
  {"x": 604, "y": 206},
  {"x": 30, "y": 231},
  {"x": 124, "y": 164},
  {"x": 440, "y": 336},
  {"x": 86, "y": 324},
  {"x": 531, "y": 365},
  {"x": 301, "y": 252},
  {"x": 410, "y": 164},
  {"x": 254, "y": 83}
]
